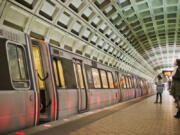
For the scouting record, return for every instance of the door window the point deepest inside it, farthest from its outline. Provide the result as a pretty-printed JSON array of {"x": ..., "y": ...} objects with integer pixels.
[
  {"x": 17, "y": 66},
  {"x": 56, "y": 73},
  {"x": 38, "y": 65},
  {"x": 80, "y": 76},
  {"x": 89, "y": 76},
  {"x": 59, "y": 74}
]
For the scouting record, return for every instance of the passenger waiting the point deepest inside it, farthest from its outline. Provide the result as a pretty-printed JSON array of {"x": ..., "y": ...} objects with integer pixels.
[
  {"x": 159, "y": 88},
  {"x": 175, "y": 87}
]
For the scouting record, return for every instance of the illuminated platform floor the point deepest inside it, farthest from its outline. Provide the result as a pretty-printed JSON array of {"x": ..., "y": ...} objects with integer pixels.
[{"x": 137, "y": 117}]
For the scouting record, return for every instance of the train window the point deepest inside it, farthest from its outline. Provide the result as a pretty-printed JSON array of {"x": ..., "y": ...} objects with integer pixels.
[
  {"x": 121, "y": 82},
  {"x": 89, "y": 76},
  {"x": 144, "y": 84},
  {"x": 38, "y": 65},
  {"x": 17, "y": 66},
  {"x": 131, "y": 79},
  {"x": 56, "y": 73},
  {"x": 141, "y": 85},
  {"x": 80, "y": 76},
  {"x": 116, "y": 81},
  {"x": 127, "y": 82},
  {"x": 110, "y": 79},
  {"x": 128, "y": 79},
  {"x": 104, "y": 78},
  {"x": 96, "y": 79},
  {"x": 59, "y": 74},
  {"x": 135, "y": 83},
  {"x": 130, "y": 83},
  {"x": 69, "y": 75}
]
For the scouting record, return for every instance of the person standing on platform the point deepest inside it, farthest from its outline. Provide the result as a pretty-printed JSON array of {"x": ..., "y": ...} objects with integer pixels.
[
  {"x": 159, "y": 88},
  {"x": 175, "y": 87}
]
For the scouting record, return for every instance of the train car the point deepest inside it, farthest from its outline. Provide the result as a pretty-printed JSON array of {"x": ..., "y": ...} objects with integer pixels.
[
  {"x": 42, "y": 82},
  {"x": 27, "y": 90},
  {"x": 18, "y": 93}
]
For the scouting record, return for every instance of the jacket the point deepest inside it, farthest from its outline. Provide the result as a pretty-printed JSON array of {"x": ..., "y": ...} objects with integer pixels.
[
  {"x": 159, "y": 86},
  {"x": 175, "y": 88}
]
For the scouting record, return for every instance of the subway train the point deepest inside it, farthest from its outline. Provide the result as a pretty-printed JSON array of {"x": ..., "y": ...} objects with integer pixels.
[{"x": 41, "y": 82}]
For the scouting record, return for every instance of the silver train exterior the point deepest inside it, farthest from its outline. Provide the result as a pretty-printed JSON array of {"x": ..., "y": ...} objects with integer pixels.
[{"x": 41, "y": 82}]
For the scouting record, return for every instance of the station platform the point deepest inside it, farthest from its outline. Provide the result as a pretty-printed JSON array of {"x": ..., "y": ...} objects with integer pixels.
[{"x": 136, "y": 117}]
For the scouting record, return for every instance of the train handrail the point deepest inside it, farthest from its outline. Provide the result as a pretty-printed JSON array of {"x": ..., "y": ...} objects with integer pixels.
[{"x": 43, "y": 79}]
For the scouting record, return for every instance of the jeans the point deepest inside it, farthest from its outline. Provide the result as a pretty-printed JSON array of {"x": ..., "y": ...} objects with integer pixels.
[{"x": 159, "y": 94}]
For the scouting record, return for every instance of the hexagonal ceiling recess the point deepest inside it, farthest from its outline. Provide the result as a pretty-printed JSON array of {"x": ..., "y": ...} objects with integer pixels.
[{"x": 151, "y": 26}]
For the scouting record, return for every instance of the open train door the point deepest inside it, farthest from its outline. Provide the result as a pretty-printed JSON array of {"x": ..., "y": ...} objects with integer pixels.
[
  {"x": 44, "y": 82},
  {"x": 81, "y": 85}
]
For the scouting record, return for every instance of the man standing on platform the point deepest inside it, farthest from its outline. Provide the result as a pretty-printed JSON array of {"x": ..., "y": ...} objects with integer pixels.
[{"x": 175, "y": 88}]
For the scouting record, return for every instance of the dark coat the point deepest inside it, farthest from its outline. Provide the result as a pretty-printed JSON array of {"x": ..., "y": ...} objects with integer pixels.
[{"x": 175, "y": 87}]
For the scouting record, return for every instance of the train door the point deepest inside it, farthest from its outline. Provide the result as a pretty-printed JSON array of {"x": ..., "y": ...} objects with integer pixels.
[
  {"x": 82, "y": 91},
  {"x": 44, "y": 81}
]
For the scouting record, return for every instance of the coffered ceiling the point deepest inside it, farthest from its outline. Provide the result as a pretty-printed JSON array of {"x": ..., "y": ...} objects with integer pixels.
[
  {"x": 137, "y": 36},
  {"x": 151, "y": 26}
]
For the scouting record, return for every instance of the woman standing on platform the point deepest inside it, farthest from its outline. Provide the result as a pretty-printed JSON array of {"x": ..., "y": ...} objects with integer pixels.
[
  {"x": 175, "y": 87},
  {"x": 159, "y": 88}
]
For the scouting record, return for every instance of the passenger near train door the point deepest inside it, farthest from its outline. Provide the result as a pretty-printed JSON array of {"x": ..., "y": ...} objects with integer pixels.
[
  {"x": 82, "y": 90},
  {"x": 44, "y": 81}
]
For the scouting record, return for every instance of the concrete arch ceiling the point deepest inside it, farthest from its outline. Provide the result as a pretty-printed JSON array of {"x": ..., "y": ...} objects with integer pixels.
[
  {"x": 151, "y": 26},
  {"x": 137, "y": 36},
  {"x": 86, "y": 27}
]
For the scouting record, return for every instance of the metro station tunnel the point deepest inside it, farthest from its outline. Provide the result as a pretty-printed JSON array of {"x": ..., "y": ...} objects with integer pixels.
[{"x": 89, "y": 67}]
